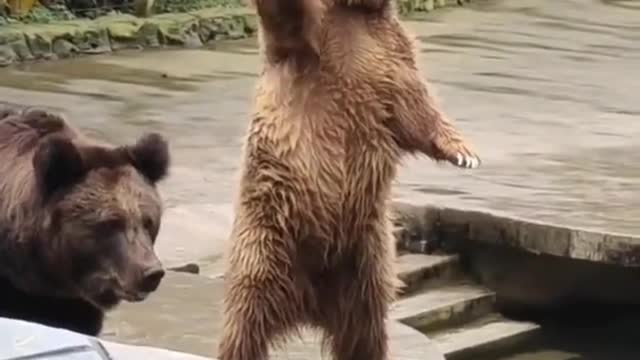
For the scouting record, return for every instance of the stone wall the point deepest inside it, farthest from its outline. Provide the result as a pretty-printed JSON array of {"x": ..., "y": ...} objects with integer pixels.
[
  {"x": 425, "y": 228},
  {"x": 27, "y": 42}
]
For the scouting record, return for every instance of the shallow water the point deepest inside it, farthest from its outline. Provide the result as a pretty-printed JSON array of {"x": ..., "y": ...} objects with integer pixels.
[
  {"x": 547, "y": 92},
  {"x": 614, "y": 340}
]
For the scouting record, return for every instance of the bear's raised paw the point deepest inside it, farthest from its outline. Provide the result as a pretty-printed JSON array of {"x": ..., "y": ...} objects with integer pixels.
[
  {"x": 456, "y": 151},
  {"x": 467, "y": 161}
]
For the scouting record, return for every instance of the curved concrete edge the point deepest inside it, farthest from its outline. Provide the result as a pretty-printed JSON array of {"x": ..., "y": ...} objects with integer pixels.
[
  {"x": 448, "y": 226},
  {"x": 22, "y": 339}
]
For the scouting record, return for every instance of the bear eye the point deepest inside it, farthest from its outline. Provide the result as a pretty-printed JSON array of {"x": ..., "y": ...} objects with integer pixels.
[{"x": 111, "y": 225}]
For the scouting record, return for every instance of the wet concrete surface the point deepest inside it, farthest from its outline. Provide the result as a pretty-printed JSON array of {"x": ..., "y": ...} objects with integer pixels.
[
  {"x": 163, "y": 322},
  {"x": 547, "y": 91}
]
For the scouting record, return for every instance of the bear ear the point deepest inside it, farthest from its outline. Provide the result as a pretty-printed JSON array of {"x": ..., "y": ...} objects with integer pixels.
[
  {"x": 5, "y": 112},
  {"x": 150, "y": 156},
  {"x": 57, "y": 163}
]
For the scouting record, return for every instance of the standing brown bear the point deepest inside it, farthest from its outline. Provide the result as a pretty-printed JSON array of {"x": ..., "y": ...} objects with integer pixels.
[
  {"x": 78, "y": 221},
  {"x": 339, "y": 101}
]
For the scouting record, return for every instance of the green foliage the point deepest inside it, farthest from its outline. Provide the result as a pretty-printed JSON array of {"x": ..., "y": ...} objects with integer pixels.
[{"x": 43, "y": 15}]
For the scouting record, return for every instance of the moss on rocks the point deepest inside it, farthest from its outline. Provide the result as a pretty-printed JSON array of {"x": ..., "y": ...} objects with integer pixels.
[
  {"x": 13, "y": 44},
  {"x": 177, "y": 29},
  {"x": 22, "y": 42}
]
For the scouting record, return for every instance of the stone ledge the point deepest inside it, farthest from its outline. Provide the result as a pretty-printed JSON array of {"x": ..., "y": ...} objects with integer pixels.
[{"x": 443, "y": 227}]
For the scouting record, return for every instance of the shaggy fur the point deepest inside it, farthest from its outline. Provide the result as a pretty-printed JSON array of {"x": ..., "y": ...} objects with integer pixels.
[
  {"x": 78, "y": 220},
  {"x": 339, "y": 101}
]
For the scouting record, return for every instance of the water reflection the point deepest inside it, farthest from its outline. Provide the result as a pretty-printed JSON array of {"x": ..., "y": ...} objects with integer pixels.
[{"x": 615, "y": 339}]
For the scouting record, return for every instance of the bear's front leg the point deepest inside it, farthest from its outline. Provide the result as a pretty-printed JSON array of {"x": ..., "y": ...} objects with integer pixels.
[
  {"x": 288, "y": 27},
  {"x": 419, "y": 125}
]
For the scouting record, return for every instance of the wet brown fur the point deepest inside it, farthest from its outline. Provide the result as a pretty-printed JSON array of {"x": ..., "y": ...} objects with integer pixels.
[
  {"x": 339, "y": 101},
  {"x": 46, "y": 228}
]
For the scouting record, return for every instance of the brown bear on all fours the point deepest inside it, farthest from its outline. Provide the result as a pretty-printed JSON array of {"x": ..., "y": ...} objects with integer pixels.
[
  {"x": 338, "y": 102},
  {"x": 78, "y": 221}
]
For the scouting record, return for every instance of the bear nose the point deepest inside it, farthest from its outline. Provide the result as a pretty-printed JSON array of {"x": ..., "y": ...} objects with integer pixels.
[{"x": 151, "y": 279}]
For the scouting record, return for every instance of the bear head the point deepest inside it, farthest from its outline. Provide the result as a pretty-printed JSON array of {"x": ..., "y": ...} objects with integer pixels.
[{"x": 101, "y": 217}]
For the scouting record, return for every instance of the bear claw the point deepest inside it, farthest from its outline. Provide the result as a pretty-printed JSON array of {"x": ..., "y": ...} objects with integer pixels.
[{"x": 466, "y": 161}]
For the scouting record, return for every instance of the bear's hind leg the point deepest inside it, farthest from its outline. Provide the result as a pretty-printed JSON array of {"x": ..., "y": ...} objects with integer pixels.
[
  {"x": 363, "y": 334},
  {"x": 354, "y": 317},
  {"x": 262, "y": 302}
]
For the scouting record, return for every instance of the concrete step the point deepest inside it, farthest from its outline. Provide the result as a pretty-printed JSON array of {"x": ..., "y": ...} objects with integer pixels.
[
  {"x": 419, "y": 270},
  {"x": 444, "y": 306},
  {"x": 493, "y": 334}
]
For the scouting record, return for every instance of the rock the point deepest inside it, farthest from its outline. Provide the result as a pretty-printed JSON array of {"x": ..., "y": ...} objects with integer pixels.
[
  {"x": 234, "y": 27},
  {"x": 93, "y": 41},
  {"x": 226, "y": 27},
  {"x": 66, "y": 39},
  {"x": 210, "y": 29},
  {"x": 251, "y": 23},
  {"x": 41, "y": 47},
  {"x": 124, "y": 32},
  {"x": 192, "y": 38},
  {"x": 149, "y": 35},
  {"x": 178, "y": 29},
  {"x": 7, "y": 55},
  {"x": 64, "y": 48},
  {"x": 16, "y": 40},
  {"x": 40, "y": 37}
]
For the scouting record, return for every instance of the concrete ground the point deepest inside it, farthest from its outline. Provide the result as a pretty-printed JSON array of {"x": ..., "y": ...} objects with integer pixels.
[{"x": 185, "y": 315}]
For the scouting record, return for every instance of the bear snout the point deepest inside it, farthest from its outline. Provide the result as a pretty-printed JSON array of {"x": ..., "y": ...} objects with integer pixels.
[{"x": 151, "y": 279}]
